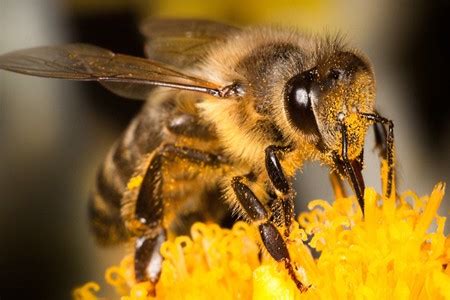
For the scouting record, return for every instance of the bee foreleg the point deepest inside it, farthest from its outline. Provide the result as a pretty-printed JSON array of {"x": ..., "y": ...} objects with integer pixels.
[
  {"x": 270, "y": 236},
  {"x": 384, "y": 141},
  {"x": 281, "y": 184}
]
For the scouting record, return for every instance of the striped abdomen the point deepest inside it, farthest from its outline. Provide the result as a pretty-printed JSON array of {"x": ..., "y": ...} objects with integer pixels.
[{"x": 141, "y": 137}]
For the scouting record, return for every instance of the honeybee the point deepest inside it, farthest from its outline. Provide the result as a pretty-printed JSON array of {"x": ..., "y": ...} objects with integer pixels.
[{"x": 230, "y": 115}]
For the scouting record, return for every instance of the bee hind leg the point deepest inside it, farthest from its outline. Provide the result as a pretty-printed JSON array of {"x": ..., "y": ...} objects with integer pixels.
[
  {"x": 147, "y": 258},
  {"x": 149, "y": 209},
  {"x": 149, "y": 213}
]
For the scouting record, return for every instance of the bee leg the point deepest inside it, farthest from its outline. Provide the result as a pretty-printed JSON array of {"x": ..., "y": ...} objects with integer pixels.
[
  {"x": 384, "y": 141},
  {"x": 271, "y": 238},
  {"x": 193, "y": 155},
  {"x": 147, "y": 258},
  {"x": 149, "y": 211},
  {"x": 275, "y": 170},
  {"x": 281, "y": 184}
]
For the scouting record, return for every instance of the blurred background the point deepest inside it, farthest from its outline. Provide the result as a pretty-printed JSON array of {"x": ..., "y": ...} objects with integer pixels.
[{"x": 54, "y": 133}]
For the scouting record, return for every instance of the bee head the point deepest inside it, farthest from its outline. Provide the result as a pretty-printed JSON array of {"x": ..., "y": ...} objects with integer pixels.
[{"x": 323, "y": 99}]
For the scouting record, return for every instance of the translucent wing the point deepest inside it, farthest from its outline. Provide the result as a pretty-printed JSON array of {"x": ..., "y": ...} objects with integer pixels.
[
  {"x": 181, "y": 42},
  {"x": 125, "y": 75}
]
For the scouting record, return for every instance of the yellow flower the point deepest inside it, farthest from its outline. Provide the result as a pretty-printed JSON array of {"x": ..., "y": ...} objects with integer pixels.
[{"x": 397, "y": 251}]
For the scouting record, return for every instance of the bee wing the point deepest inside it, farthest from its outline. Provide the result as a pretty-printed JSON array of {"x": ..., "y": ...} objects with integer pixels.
[
  {"x": 182, "y": 42},
  {"x": 128, "y": 76}
]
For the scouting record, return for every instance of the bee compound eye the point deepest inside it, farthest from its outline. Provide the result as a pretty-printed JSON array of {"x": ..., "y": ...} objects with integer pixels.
[{"x": 298, "y": 102}]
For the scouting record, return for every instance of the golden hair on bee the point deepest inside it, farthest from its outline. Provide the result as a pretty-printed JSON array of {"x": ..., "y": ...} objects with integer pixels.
[
  {"x": 262, "y": 60},
  {"x": 242, "y": 110}
]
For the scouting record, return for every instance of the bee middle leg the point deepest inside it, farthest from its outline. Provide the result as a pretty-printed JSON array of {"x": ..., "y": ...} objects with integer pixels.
[
  {"x": 284, "y": 191},
  {"x": 149, "y": 208},
  {"x": 271, "y": 238}
]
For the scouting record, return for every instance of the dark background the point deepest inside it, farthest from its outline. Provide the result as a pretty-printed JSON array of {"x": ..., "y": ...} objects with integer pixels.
[{"x": 54, "y": 133}]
